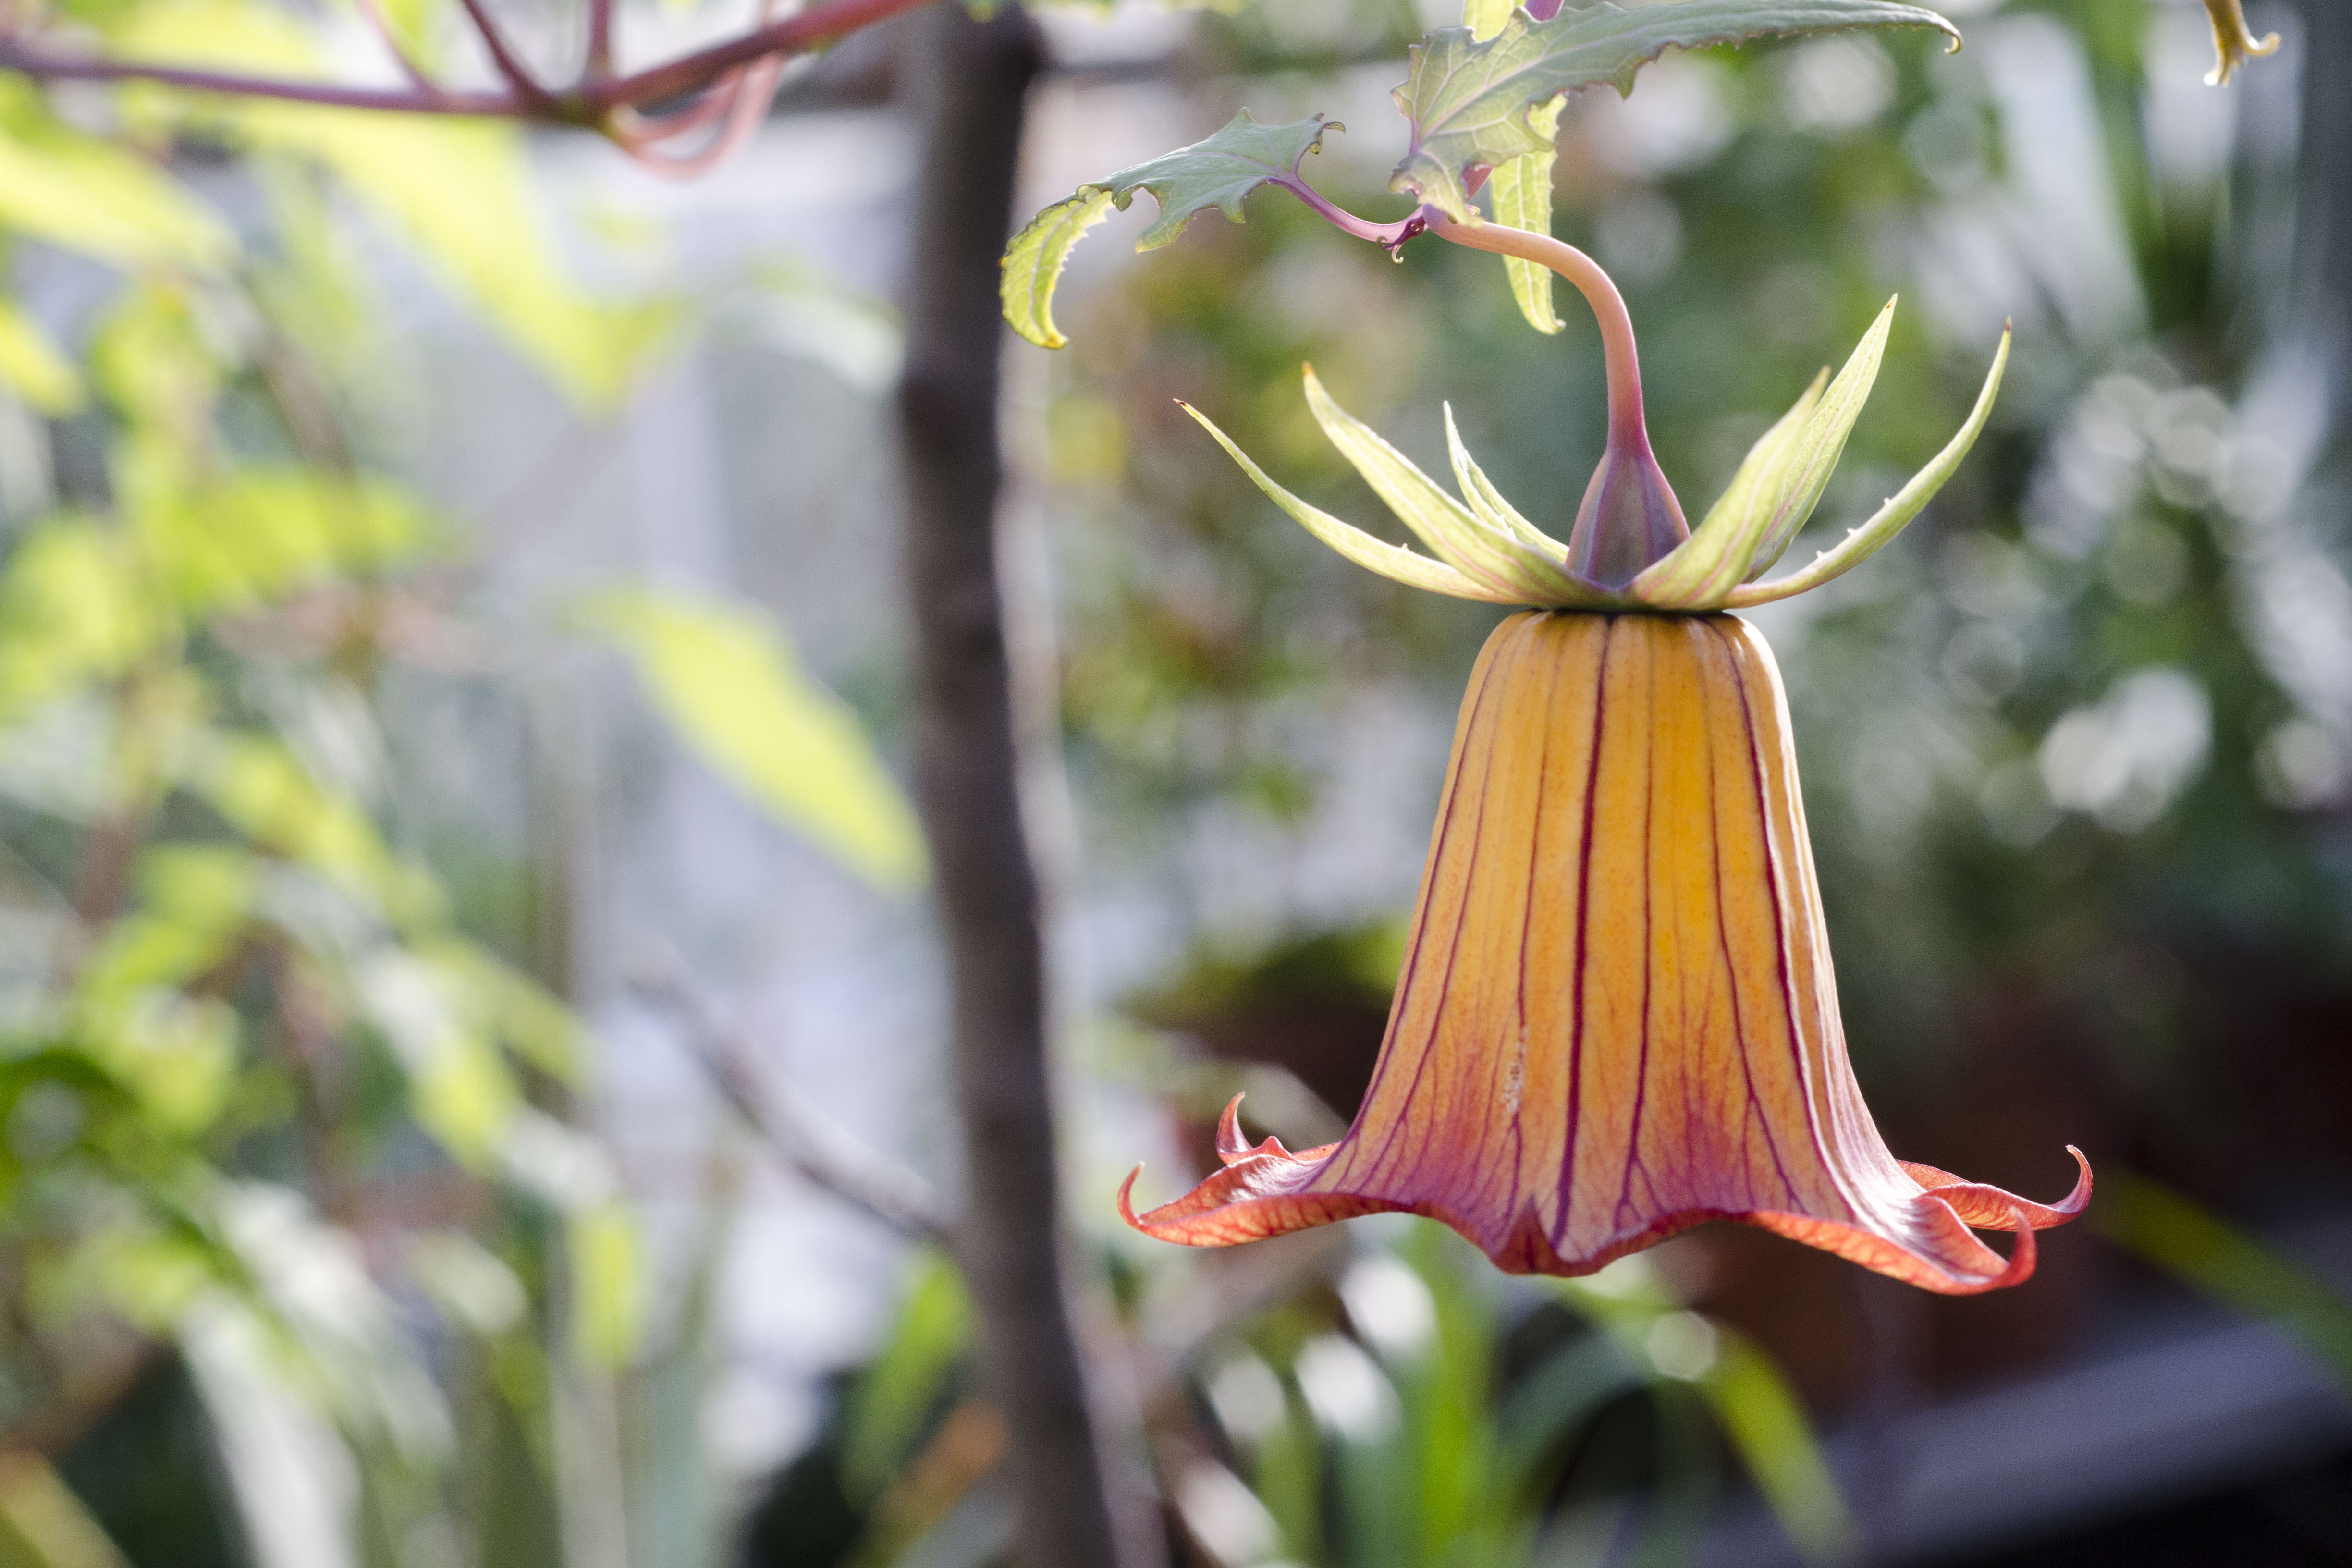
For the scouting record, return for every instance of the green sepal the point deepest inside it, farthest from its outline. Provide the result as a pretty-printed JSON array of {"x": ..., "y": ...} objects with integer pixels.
[
  {"x": 1860, "y": 544},
  {"x": 1815, "y": 455},
  {"x": 1715, "y": 558},
  {"x": 1394, "y": 561},
  {"x": 1033, "y": 263},
  {"x": 1456, "y": 535},
  {"x": 1488, "y": 502},
  {"x": 1478, "y": 101},
  {"x": 1218, "y": 171}
]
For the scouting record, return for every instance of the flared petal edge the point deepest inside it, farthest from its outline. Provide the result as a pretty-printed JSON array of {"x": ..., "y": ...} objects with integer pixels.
[{"x": 1261, "y": 1192}]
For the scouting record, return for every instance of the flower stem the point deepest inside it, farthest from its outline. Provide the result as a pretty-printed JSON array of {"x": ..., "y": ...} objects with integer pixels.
[{"x": 1627, "y": 431}]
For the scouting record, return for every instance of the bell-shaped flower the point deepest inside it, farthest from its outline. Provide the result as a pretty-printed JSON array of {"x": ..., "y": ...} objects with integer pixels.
[{"x": 1617, "y": 1015}]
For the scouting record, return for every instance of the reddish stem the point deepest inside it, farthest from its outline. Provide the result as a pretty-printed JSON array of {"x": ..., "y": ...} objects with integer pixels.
[
  {"x": 510, "y": 65},
  {"x": 794, "y": 34},
  {"x": 599, "y": 65},
  {"x": 587, "y": 104},
  {"x": 373, "y": 11},
  {"x": 1626, "y": 430}
]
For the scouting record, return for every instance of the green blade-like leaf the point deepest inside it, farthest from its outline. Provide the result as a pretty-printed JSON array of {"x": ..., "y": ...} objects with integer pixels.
[
  {"x": 1475, "y": 102},
  {"x": 1218, "y": 171},
  {"x": 1394, "y": 561},
  {"x": 84, "y": 195},
  {"x": 2205, "y": 1250},
  {"x": 1715, "y": 559},
  {"x": 899, "y": 1390},
  {"x": 720, "y": 672},
  {"x": 1758, "y": 1410},
  {"x": 1455, "y": 534},
  {"x": 1862, "y": 542},
  {"x": 34, "y": 368},
  {"x": 1488, "y": 502},
  {"x": 1033, "y": 263},
  {"x": 1522, "y": 190}
]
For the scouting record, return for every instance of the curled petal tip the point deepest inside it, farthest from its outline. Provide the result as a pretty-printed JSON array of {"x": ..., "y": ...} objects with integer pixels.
[
  {"x": 2022, "y": 1257},
  {"x": 2075, "y": 1202},
  {"x": 1231, "y": 1144},
  {"x": 1126, "y": 1192}
]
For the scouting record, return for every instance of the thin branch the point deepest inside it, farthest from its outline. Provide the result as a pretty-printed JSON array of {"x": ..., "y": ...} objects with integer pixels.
[
  {"x": 589, "y": 104},
  {"x": 790, "y": 1127},
  {"x": 600, "y": 41},
  {"x": 797, "y": 35},
  {"x": 510, "y": 65},
  {"x": 375, "y": 13},
  {"x": 32, "y": 62}
]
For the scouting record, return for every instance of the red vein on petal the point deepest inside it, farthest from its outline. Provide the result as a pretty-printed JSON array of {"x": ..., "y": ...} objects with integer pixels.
[
  {"x": 1723, "y": 936},
  {"x": 1583, "y": 938},
  {"x": 1649, "y": 956}
]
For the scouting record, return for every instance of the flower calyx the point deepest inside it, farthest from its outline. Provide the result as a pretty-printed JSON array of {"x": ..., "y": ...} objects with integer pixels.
[{"x": 1630, "y": 548}]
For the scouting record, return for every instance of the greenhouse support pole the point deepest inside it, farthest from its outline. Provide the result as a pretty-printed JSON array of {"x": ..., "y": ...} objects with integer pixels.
[{"x": 968, "y": 82}]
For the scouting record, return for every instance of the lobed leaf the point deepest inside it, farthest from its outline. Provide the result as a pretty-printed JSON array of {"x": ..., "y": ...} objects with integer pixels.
[
  {"x": 1717, "y": 556},
  {"x": 1862, "y": 542},
  {"x": 1393, "y": 561},
  {"x": 1218, "y": 171},
  {"x": 1480, "y": 102}
]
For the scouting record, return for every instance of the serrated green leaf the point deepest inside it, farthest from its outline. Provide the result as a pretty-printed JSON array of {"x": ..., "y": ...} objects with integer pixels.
[
  {"x": 1522, "y": 187},
  {"x": 721, "y": 673},
  {"x": 1862, "y": 542},
  {"x": 1393, "y": 561},
  {"x": 1717, "y": 556},
  {"x": 1476, "y": 102},
  {"x": 1218, "y": 171},
  {"x": 1457, "y": 536},
  {"x": 1033, "y": 264}
]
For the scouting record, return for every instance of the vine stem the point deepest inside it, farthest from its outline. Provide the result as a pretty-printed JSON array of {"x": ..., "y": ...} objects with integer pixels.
[
  {"x": 589, "y": 102},
  {"x": 1627, "y": 431}
]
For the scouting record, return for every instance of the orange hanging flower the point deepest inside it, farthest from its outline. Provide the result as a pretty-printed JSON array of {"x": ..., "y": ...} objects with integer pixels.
[{"x": 1617, "y": 1015}]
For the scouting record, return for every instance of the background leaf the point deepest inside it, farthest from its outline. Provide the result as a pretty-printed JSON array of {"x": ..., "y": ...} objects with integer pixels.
[{"x": 720, "y": 672}]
